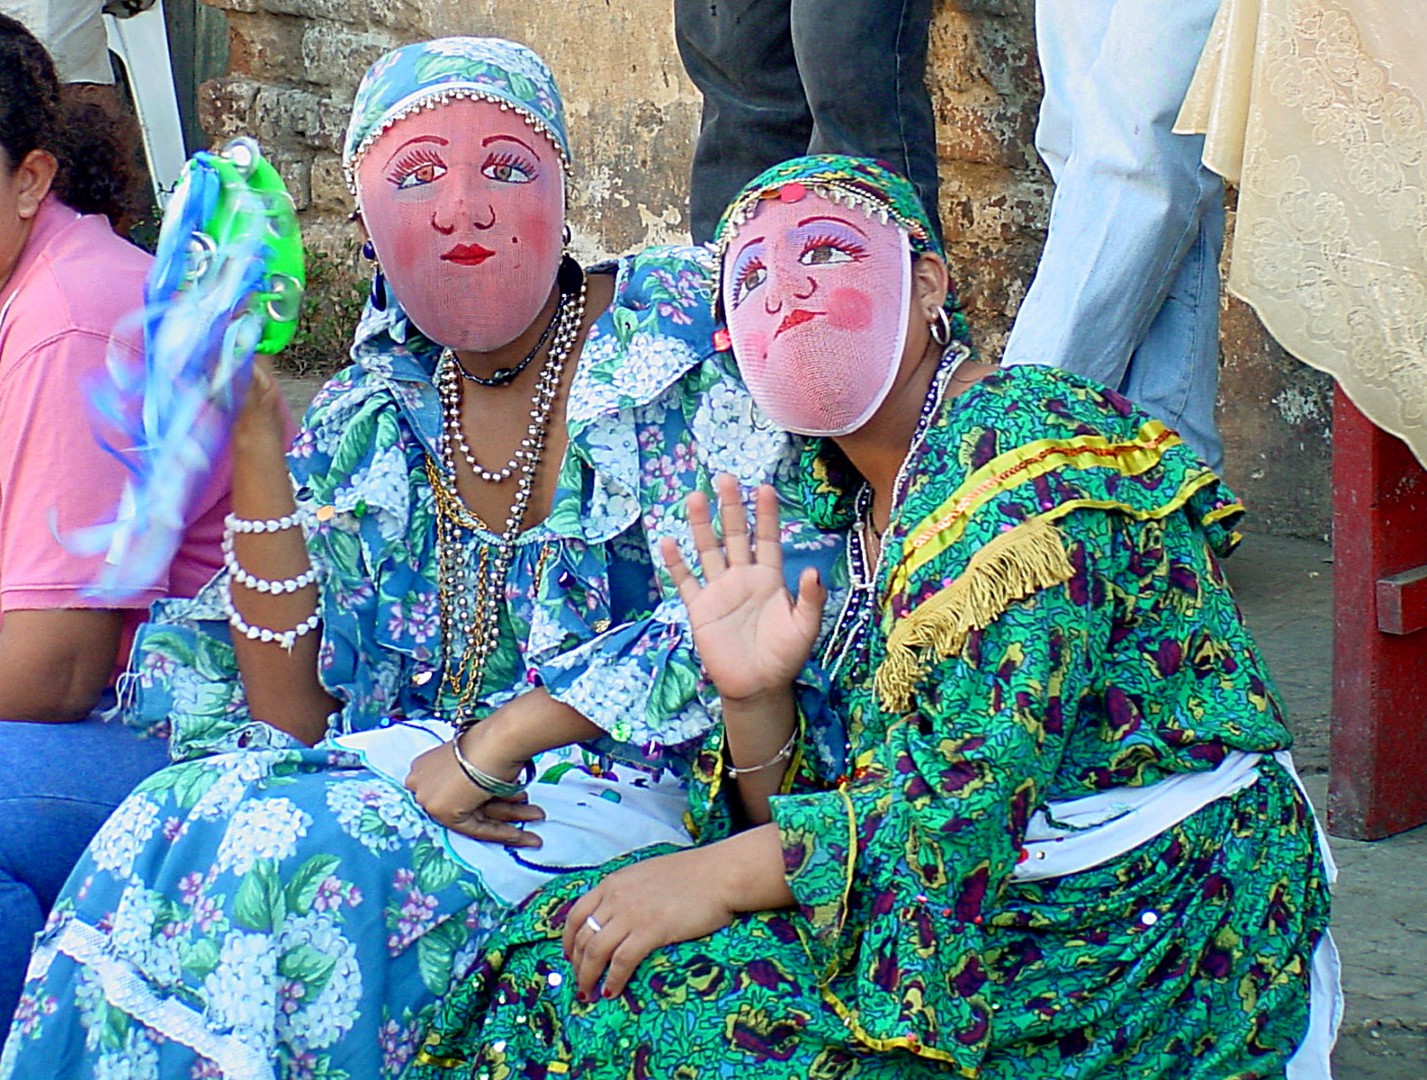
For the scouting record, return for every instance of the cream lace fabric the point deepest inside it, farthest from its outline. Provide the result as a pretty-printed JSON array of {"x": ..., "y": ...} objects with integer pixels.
[{"x": 1315, "y": 109}]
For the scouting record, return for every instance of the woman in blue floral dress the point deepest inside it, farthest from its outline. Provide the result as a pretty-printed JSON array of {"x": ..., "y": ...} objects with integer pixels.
[
  {"x": 1063, "y": 839},
  {"x": 266, "y": 909}
]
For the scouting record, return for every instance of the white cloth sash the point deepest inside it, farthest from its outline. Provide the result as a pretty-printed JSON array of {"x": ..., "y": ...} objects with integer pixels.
[
  {"x": 1075, "y": 835},
  {"x": 588, "y": 819}
]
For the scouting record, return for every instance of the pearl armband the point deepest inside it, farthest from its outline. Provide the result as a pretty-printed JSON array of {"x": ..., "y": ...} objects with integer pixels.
[
  {"x": 237, "y": 573},
  {"x": 284, "y": 638},
  {"x": 233, "y": 523}
]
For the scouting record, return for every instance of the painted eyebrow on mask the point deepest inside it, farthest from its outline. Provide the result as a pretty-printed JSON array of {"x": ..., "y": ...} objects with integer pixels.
[
  {"x": 746, "y": 245},
  {"x": 511, "y": 138},
  {"x": 417, "y": 139},
  {"x": 830, "y": 217}
]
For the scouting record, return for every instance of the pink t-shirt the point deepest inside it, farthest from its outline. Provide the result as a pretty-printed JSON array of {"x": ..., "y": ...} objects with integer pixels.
[{"x": 70, "y": 301}]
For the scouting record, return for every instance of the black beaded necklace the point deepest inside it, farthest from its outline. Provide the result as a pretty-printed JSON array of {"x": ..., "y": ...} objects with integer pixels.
[
  {"x": 507, "y": 375},
  {"x": 568, "y": 278}
]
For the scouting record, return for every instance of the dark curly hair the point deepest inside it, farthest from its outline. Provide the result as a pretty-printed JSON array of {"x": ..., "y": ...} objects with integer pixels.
[{"x": 37, "y": 113}]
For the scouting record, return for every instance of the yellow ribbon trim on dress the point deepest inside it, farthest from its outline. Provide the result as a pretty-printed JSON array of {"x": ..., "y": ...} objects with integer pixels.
[
  {"x": 944, "y": 525},
  {"x": 910, "y": 1044},
  {"x": 1011, "y": 567},
  {"x": 1016, "y": 564},
  {"x": 424, "y": 1056}
]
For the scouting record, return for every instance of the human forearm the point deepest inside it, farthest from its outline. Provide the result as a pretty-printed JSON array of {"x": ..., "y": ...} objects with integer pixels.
[
  {"x": 522, "y": 729},
  {"x": 281, "y": 684},
  {"x": 55, "y": 664},
  {"x": 499, "y": 745},
  {"x": 748, "y": 870},
  {"x": 758, "y": 732},
  {"x": 677, "y": 897}
]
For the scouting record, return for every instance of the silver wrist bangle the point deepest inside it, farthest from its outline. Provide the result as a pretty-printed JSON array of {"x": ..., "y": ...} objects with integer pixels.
[
  {"x": 733, "y": 772},
  {"x": 493, "y": 785}
]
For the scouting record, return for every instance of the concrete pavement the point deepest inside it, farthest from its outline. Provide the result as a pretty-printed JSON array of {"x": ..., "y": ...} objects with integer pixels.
[{"x": 1284, "y": 587}]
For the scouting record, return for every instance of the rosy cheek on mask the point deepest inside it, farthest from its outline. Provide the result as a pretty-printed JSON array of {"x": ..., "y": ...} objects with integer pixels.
[
  {"x": 535, "y": 237},
  {"x": 753, "y": 348},
  {"x": 849, "y": 309},
  {"x": 402, "y": 249}
]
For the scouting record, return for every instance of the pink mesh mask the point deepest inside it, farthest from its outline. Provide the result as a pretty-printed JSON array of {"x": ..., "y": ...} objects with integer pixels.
[
  {"x": 465, "y": 205},
  {"x": 816, "y": 297}
]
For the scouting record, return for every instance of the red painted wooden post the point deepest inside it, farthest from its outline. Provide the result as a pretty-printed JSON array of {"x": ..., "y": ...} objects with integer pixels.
[{"x": 1378, "y": 768}]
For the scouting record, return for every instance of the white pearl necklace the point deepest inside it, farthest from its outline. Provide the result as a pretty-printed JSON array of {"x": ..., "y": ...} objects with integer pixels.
[{"x": 547, "y": 388}]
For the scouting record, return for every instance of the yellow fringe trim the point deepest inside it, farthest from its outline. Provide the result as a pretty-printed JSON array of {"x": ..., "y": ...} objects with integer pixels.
[
  {"x": 1016, "y": 564},
  {"x": 943, "y": 526}
]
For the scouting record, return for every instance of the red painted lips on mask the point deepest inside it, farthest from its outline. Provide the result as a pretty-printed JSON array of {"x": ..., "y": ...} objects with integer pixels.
[
  {"x": 796, "y": 317},
  {"x": 468, "y": 255}
]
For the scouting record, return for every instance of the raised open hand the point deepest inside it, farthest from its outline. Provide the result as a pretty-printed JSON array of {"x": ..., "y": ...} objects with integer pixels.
[{"x": 753, "y": 637}]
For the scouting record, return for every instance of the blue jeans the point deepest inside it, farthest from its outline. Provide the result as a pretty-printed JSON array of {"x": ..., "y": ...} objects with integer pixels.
[
  {"x": 1127, "y": 291},
  {"x": 783, "y": 78},
  {"x": 58, "y": 783}
]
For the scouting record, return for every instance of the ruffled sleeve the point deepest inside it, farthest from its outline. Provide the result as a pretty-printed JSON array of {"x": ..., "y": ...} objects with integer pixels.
[
  {"x": 358, "y": 469},
  {"x": 358, "y": 458},
  {"x": 183, "y": 681}
]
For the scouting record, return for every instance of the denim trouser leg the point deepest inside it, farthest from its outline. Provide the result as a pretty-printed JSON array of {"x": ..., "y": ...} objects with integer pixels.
[
  {"x": 739, "y": 53},
  {"x": 1176, "y": 367},
  {"x": 1132, "y": 203},
  {"x": 863, "y": 65},
  {"x": 58, "y": 783},
  {"x": 780, "y": 78}
]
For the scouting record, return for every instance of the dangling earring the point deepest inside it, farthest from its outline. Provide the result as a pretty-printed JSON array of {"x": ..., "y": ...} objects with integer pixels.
[
  {"x": 569, "y": 276},
  {"x": 378, "y": 293},
  {"x": 567, "y": 235},
  {"x": 940, "y": 327}
]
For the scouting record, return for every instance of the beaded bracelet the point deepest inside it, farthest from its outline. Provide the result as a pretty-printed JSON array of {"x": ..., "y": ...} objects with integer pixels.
[
  {"x": 283, "y": 585},
  {"x": 233, "y": 523},
  {"x": 284, "y": 638},
  {"x": 494, "y": 785},
  {"x": 733, "y": 772}
]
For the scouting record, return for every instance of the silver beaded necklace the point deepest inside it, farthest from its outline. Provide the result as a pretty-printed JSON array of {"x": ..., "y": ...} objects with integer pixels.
[
  {"x": 450, "y": 385},
  {"x": 850, "y": 631},
  {"x": 477, "y": 610}
]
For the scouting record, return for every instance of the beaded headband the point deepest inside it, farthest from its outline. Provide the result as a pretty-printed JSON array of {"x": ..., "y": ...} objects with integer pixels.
[
  {"x": 880, "y": 210},
  {"x": 434, "y": 73}
]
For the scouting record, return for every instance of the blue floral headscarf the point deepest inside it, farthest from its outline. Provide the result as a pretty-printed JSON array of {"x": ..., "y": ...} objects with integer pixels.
[
  {"x": 432, "y": 72},
  {"x": 863, "y": 183}
]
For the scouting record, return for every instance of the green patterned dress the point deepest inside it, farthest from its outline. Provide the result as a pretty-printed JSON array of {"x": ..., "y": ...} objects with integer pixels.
[{"x": 1052, "y": 622}]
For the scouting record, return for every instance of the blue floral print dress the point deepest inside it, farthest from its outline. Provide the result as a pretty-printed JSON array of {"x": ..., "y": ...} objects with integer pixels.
[{"x": 264, "y": 909}]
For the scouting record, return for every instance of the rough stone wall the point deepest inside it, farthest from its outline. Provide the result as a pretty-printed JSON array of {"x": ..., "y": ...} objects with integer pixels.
[{"x": 632, "y": 115}]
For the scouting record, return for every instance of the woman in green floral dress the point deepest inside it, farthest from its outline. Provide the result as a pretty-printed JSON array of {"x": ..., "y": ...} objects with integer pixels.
[
  {"x": 279, "y": 909},
  {"x": 1064, "y": 839}
]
